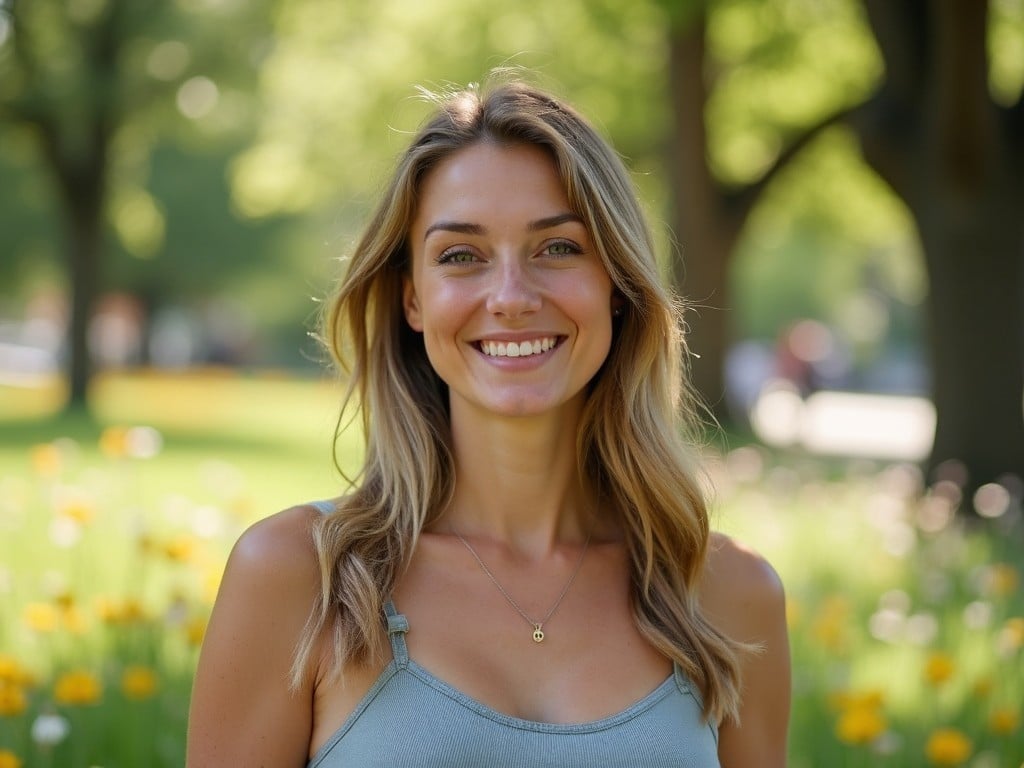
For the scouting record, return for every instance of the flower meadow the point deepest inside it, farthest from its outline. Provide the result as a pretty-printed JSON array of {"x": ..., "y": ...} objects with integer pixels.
[{"x": 905, "y": 599}]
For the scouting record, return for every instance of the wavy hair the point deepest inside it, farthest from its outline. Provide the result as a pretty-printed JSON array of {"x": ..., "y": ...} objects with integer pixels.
[{"x": 634, "y": 441}]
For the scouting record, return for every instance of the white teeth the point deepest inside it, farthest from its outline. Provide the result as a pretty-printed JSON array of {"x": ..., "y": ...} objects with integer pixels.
[{"x": 520, "y": 349}]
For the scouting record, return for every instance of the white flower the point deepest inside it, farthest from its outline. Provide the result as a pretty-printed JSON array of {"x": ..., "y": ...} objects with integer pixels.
[{"x": 49, "y": 730}]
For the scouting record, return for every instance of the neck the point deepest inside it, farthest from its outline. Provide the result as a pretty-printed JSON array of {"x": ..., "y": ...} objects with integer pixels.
[{"x": 518, "y": 483}]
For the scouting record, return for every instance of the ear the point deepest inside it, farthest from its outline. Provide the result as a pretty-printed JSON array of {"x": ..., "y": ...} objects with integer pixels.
[
  {"x": 618, "y": 303},
  {"x": 411, "y": 305}
]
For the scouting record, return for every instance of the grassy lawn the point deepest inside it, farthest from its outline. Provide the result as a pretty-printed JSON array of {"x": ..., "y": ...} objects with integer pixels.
[{"x": 907, "y": 626}]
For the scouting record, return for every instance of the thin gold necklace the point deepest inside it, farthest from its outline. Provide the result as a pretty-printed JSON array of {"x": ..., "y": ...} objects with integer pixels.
[{"x": 538, "y": 626}]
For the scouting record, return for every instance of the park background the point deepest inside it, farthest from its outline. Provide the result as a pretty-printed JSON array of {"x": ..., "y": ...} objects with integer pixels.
[{"x": 179, "y": 184}]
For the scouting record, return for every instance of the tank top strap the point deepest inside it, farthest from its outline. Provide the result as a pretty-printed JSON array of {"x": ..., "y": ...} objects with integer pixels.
[
  {"x": 398, "y": 625},
  {"x": 323, "y": 506}
]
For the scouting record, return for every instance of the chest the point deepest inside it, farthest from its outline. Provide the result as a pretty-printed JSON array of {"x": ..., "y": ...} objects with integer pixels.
[{"x": 464, "y": 636}]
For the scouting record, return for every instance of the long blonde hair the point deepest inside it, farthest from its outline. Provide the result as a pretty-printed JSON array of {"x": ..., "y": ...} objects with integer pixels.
[{"x": 632, "y": 445}]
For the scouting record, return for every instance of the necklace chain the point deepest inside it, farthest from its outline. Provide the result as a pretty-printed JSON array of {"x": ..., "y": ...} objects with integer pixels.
[{"x": 538, "y": 626}]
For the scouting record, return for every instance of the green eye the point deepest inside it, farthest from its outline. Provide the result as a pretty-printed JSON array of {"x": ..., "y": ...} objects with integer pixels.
[
  {"x": 562, "y": 248},
  {"x": 456, "y": 257}
]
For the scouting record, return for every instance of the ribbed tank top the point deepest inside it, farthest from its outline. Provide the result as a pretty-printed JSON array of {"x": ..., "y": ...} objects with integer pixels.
[{"x": 409, "y": 717}]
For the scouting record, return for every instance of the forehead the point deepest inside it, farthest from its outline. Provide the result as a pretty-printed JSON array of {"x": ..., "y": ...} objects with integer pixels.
[{"x": 490, "y": 181}]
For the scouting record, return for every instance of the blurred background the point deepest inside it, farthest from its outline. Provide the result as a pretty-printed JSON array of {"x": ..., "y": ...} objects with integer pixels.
[{"x": 837, "y": 187}]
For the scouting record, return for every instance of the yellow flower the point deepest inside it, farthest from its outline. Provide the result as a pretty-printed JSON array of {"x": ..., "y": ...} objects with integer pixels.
[
  {"x": 195, "y": 630},
  {"x": 871, "y": 698},
  {"x": 138, "y": 682},
  {"x": 794, "y": 612},
  {"x": 12, "y": 699},
  {"x": 1011, "y": 636},
  {"x": 12, "y": 672},
  {"x": 831, "y": 624},
  {"x": 948, "y": 747},
  {"x": 8, "y": 759},
  {"x": 939, "y": 668},
  {"x": 120, "y": 613},
  {"x": 1004, "y": 721},
  {"x": 860, "y": 725},
  {"x": 46, "y": 460},
  {"x": 180, "y": 550},
  {"x": 41, "y": 617},
  {"x": 114, "y": 442},
  {"x": 1001, "y": 580},
  {"x": 76, "y": 507},
  {"x": 982, "y": 687},
  {"x": 77, "y": 688}
]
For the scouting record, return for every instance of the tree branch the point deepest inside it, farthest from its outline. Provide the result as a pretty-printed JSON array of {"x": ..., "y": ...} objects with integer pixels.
[{"x": 740, "y": 202}]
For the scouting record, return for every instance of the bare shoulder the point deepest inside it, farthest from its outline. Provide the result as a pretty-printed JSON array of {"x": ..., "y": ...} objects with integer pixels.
[
  {"x": 740, "y": 592},
  {"x": 279, "y": 545},
  {"x": 243, "y": 679},
  {"x": 742, "y": 595}
]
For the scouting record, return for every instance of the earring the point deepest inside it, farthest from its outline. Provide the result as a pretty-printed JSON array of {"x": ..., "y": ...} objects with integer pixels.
[{"x": 617, "y": 312}]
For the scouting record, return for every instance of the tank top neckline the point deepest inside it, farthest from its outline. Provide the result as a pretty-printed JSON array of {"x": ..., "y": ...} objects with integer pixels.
[{"x": 398, "y": 625}]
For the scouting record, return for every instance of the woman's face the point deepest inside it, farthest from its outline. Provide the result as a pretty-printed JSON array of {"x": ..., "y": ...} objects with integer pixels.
[{"x": 513, "y": 301}]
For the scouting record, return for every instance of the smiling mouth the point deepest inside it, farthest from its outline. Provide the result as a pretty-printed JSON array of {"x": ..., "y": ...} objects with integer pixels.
[{"x": 518, "y": 349}]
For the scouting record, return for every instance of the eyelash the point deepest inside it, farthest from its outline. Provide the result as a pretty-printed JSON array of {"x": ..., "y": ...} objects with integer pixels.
[
  {"x": 451, "y": 256},
  {"x": 572, "y": 248}
]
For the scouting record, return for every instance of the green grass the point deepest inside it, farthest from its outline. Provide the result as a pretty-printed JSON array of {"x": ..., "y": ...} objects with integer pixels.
[{"x": 109, "y": 562}]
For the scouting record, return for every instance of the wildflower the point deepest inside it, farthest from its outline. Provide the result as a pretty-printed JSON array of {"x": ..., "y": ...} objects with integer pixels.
[
  {"x": 114, "y": 442},
  {"x": 46, "y": 460},
  {"x": 12, "y": 699},
  {"x": 195, "y": 630},
  {"x": 831, "y": 624},
  {"x": 948, "y": 747},
  {"x": 41, "y": 617},
  {"x": 138, "y": 682},
  {"x": 12, "y": 672},
  {"x": 868, "y": 699},
  {"x": 77, "y": 688},
  {"x": 1004, "y": 721},
  {"x": 180, "y": 550},
  {"x": 120, "y": 613},
  {"x": 982, "y": 687},
  {"x": 8, "y": 759},
  {"x": 75, "y": 506},
  {"x": 939, "y": 668},
  {"x": 1011, "y": 637},
  {"x": 793, "y": 612},
  {"x": 999, "y": 580},
  {"x": 49, "y": 730},
  {"x": 860, "y": 725}
]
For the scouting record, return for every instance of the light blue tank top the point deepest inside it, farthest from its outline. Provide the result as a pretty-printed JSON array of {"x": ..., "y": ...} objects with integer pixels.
[{"x": 411, "y": 718}]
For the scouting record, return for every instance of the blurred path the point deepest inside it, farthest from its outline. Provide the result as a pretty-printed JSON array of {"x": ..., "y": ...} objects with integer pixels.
[{"x": 846, "y": 423}]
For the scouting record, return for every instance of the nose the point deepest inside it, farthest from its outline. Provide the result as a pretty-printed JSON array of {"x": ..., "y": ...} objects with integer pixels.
[{"x": 513, "y": 292}]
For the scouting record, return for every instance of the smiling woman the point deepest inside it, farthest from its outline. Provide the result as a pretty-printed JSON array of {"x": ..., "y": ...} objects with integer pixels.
[{"x": 522, "y": 573}]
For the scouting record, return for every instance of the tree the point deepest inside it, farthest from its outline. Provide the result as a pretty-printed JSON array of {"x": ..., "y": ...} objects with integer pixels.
[
  {"x": 709, "y": 214},
  {"x": 955, "y": 156},
  {"x": 95, "y": 82},
  {"x": 931, "y": 130}
]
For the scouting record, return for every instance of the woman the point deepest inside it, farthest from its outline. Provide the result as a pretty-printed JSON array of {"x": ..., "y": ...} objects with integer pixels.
[{"x": 522, "y": 574}]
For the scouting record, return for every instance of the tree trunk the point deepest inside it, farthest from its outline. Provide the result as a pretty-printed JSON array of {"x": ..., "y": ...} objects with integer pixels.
[
  {"x": 84, "y": 253},
  {"x": 704, "y": 232},
  {"x": 976, "y": 334},
  {"x": 956, "y": 159}
]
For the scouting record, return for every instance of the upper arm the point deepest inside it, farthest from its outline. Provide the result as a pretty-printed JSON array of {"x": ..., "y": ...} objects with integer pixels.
[
  {"x": 743, "y": 596},
  {"x": 243, "y": 711}
]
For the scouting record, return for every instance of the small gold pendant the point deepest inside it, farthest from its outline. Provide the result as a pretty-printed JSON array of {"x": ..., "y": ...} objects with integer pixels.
[{"x": 538, "y": 634}]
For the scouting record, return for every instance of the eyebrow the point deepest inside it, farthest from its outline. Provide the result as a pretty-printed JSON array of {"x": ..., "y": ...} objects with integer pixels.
[{"x": 467, "y": 228}]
